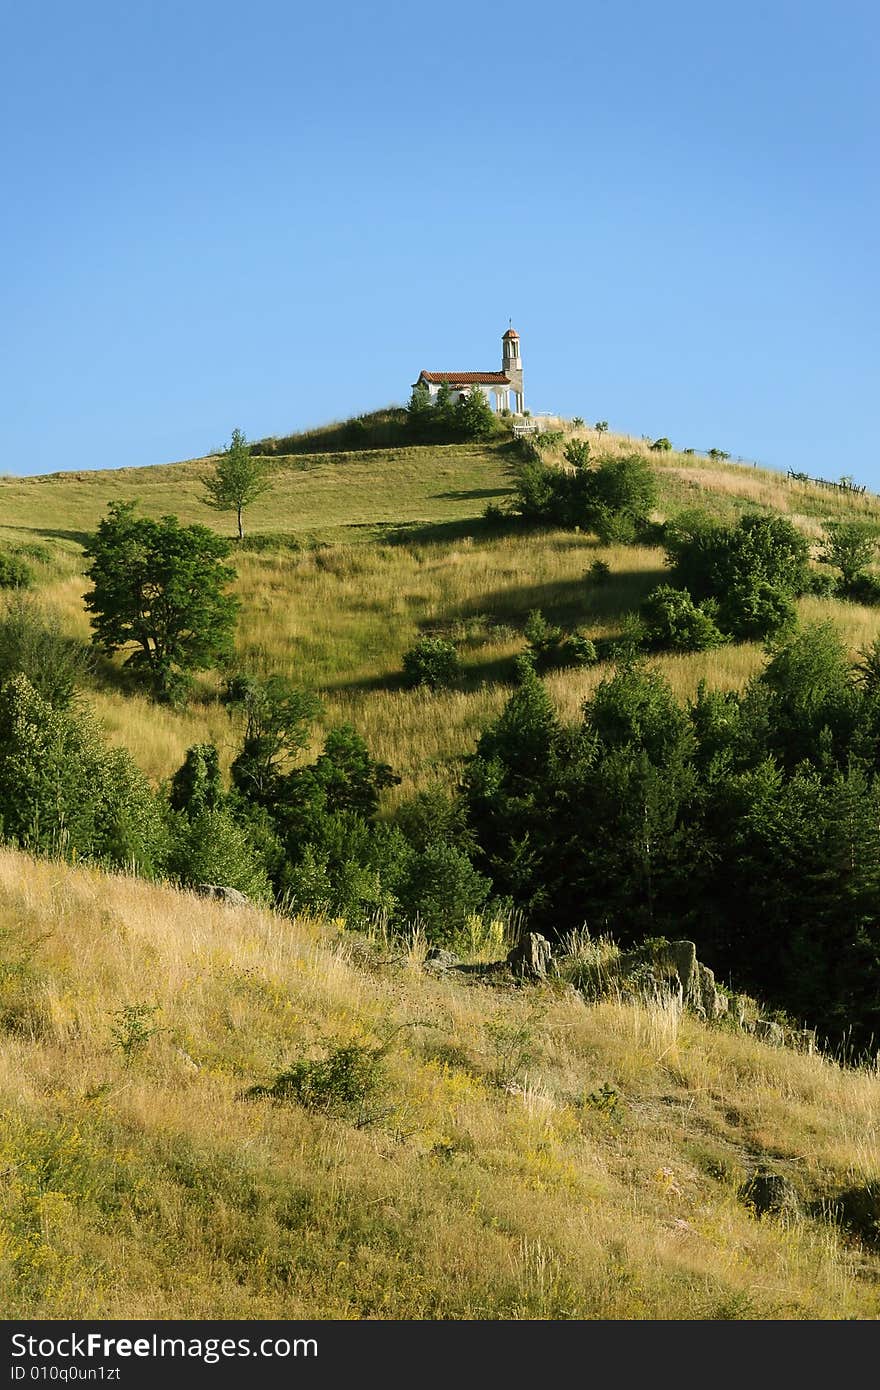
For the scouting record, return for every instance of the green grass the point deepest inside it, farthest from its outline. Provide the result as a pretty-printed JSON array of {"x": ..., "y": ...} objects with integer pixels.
[
  {"x": 353, "y": 555},
  {"x": 314, "y": 497}
]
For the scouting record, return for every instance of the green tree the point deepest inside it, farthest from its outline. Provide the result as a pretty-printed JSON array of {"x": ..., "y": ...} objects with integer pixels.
[
  {"x": 474, "y": 415},
  {"x": 278, "y": 719},
  {"x": 62, "y": 792},
  {"x": 160, "y": 588},
  {"x": 419, "y": 412},
  {"x": 675, "y": 623},
  {"x": 850, "y": 546},
  {"x": 239, "y": 478}
]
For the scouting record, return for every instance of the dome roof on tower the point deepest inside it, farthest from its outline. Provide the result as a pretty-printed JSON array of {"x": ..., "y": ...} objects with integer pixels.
[{"x": 511, "y": 333}]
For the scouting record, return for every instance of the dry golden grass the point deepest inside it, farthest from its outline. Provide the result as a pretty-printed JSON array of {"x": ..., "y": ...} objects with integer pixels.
[{"x": 490, "y": 1187}]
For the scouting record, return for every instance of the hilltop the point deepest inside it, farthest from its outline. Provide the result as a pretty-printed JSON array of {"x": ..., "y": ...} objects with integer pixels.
[{"x": 353, "y": 553}]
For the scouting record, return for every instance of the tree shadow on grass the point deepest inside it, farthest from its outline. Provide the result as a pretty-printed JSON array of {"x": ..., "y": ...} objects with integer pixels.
[
  {"x": 579, "y": 601},
  {"x": 439, "y": 532},
  {"x": 78, "y": 537},
  {"x": 474, "y": 494}
]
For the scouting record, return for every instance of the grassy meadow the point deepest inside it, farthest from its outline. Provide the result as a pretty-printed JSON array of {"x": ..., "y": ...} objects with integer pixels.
[{"x": 496, "y": 1179}]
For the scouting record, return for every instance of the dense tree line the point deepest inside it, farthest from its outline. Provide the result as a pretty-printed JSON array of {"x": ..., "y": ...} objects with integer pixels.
[{"x": 747, "y": 822}]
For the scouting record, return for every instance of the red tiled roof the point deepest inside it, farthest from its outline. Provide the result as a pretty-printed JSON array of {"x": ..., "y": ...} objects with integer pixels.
[
  {"x": 467, "y": 378},
  {"x": 511, "y": 333}
]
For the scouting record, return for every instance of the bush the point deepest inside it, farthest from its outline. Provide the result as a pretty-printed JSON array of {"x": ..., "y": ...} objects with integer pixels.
[
  {"x": 550, "y": 648},
  {"x": 30, "y": 644},
  {"x": 63, "y": 793},
  {"x": 433, "y": 662},
  {"x": 864, "y": 589},
  {"x": 349, "y": 1082},
  {"x": 441, "y": 891},
  {"x": 661, "y": 445},
  {"x": 613, "y": 499},
  {"x": 673, "y": 622},
  {"x": 212, "y": 848},
  {"x": 577, "y": 453},
  {"x": 15, "y": 573},
  {"x": 753, "y": 570},
  {"x": 850, "y": 546},
  {"x": 599, "y": 572}
]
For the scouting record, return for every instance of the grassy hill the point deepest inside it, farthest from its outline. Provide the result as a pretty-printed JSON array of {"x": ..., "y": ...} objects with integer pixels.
[
  {"x": 531, "y": 1155},
  {"x": 356, "y": 553},
  {"x": 494, "y": 1178}
]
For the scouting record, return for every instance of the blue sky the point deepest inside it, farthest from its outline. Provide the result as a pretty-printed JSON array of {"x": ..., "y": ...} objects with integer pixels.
[{"x": 271, "y": 215}]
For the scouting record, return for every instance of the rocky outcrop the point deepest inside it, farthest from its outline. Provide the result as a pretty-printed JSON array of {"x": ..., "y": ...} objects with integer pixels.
[
  {"x": 769, "y": 1031},
  {"x": 531, "y": 957},
  {"x": 439, "y": 960},
  {"x": 233, "y": 897},
  {"x": 674, "y": 964}
]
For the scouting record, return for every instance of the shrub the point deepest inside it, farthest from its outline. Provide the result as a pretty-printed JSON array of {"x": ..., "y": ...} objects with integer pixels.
[
  {"x": 196, "y": 785},
  {"x": 864, "y": 589},
  {"x": 133, "y": 1028},
  {"x": 15, "y": 573},
  {"x": 433, "y": 815},
  {"x": 550, "y": 648},
  {"x": 626, "y": 492},
  {"x": 577, "y": 453},
  {"x": 599, "y": 572},
  {"x": 577, "y": 422},
  {"x": 673, "y": 622},
  {"x": 212, "y": 848},
  {"x": 719, "y": 454},
  {"x": 442, "y": 889},
  {"x": 433, "y": 662},
  {"x": 62, "y": 792},
  {"x": 661, "y": 445},
  {"x": 850, "y": 546},
  {"x": 754, "y": 570},
  {"x": 30, "y": 644},
  {"x": 601, "y": 426},
  {"x": 494, "y": 516},
  {"x": 349, "y": 1082}
]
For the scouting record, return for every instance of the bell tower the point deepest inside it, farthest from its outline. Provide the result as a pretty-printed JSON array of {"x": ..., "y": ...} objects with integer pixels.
[{"x": 511, "y": 365}]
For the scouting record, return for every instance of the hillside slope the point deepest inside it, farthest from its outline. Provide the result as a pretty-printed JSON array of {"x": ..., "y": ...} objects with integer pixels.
[
  {"x": 358, "y": 553},
  {"x": 532, "y": 1156}
]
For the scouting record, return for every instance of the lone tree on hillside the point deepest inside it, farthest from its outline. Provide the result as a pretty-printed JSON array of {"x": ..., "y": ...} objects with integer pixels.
[
  {"x": 851, "y": 547},
  {"x": 239, "y": 478},
  {"x": 160, "y": 587}
]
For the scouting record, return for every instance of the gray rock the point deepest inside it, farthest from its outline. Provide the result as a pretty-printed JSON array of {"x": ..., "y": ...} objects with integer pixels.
[
  {"x": 531, "y": 957},
  {"x": 770, "y": 1032},
  {"x": 440, "y": 960},
  {"x": 804, "y": 1039},
  {"x": 233, "y": 897},
  {"x": 680, "y": 957},
  {"x": 770, "y": 1193},
  {"x": 705, "y": 998}
]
